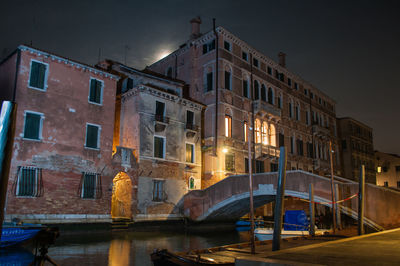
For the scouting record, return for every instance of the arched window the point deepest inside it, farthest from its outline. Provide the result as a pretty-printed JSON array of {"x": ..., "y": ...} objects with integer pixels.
[
  {"x": 264, "y": 130},
  {"x": 257, "y": 130},
  {"x": 290, "y": 108},
  {"x": 245, "y": 130},
  {"x": 191, "y": 182},
  {"x": 256, "y": 90},
  {"x": 297, "y": 111},
  {"x": 280, "y": 101},
  {"x": 272, "y": 135},
  {"x": 263, "y": 93},
  {"x": 270, "y": 96}
]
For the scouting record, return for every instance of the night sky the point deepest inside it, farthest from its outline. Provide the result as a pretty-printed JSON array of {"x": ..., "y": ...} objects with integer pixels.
[{"x": 348, "y": 49}]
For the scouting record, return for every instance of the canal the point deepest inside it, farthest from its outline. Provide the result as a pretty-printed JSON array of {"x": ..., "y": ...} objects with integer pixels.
[{"x": 133, "y": 247}]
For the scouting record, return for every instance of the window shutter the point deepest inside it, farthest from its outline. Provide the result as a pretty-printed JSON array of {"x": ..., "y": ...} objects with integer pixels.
[
  {"x": 41, "y": 76},
  {"x": 92, "y": 136},
  {"x": 160, "y": 108},
  {"x": 32, "y": 126},
  {"x": 189, "y": 117},
  {"x": 92, "y": 94},
  {"x": 98, "y": 91},
  {"x": 209, "y": 81}
]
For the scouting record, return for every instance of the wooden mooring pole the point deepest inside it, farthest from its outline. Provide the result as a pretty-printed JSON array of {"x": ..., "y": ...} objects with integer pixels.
[
  {"x": 252, "y": 240},
  {"x": 312, "y": 210},
  {"x": 280, "y": 194},
  {"x": 361, "y": 190},
  {"x": 332, "y": 189}
]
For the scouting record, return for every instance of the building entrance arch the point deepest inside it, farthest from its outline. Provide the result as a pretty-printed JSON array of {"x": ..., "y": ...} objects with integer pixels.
[{"x": 121, "y": 197}]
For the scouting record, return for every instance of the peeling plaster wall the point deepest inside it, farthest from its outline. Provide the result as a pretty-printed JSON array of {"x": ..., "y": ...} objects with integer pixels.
[{"x": 61, "y": 152}]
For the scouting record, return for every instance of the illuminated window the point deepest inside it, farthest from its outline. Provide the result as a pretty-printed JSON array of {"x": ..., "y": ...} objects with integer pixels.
[
  {"x": 379, "y": 169},
  {"x": 257, "y": 130},
  {"x": 38, "y": 75},
  {"x": 245, "y": 131},
  {"x": 228, "y": 126},
  {"x": 189, "y": 153},
  {"x": 272, "y": 135},
  {"x": 264, "y": 130},
  {"x": 230, "y": 162}
]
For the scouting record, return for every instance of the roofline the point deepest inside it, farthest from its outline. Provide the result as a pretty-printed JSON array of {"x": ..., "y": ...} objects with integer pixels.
[
  {"x": 68, "y": 61},
  {"x": 355, "y": 120}
]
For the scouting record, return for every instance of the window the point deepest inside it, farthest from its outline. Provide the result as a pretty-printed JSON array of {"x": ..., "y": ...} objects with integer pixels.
[
  {"x": 227, "y": 45},
  {"x": 289, "y": 82},
  {"x": 281, "y": 140},
  {"x": 281, "y": 77},
  {"x": 263, "y": 93},
  {"x": 33, "y": 125},
  {"x": 160, "y": 111},
  {"x": 397, "y": 168},
  {"x": 270, "y": 96},
  {"x": 255, "y": 62},
  {"x": 29, "y": 182},
  {"x": 384, "y": 169},
  {"x": 279, "y": 101},
  {"x": 189, "y": 119},
  {"x": 305, "y": 92},
  {"x": 274, "y": 167},
  {"x": 291, "y": 145},
  {"x": 296, "y": 86},
  {"x": 246, "y": 165},
  {"x": 208, "y": 47},
  {"x": 256, "y": 90},
  {"x": 158, "y": 190},
  {"x": 159, "y": 147},
  {"x": 310, "y": 150},
  {"x": 96, "y": 91},
  {"x": 169, "y": 72},
  {"x": 290, "y": 110},
  {"x": 245, "y": 56},
  {"x": 228, "y": 126},
  {"x": 191, "y": 182},
  {"x": 127, "y": 84},
  {"x": 92, "y": 136},
  {"x": 300, "y": 147},
  {"x": 311, "y": 95},
  {"x": 386, "y": 184},
  {"x": 189, "y": 153},
  {"x": 297, "y": 112},
  {"x": 319, "y": 100},
  {"x": 398, "y": 184},
  {"x": 209, "y": 81},
  {"x": 227, "y": 80},
  {"x": 257, "y": 130},
  {"x": 90, "y": 186},
  {"x": 269, "y": 70},
  {"x": 264, "y": 130},
  {"x": 245, "y": 131},
  {"x": 259, "y": 166},
  {"x": 230, "y": 162},
  {"x": 307, "y": 117},
  {"x": 246, "y": 88},
  {"x": 38, "y": 75}
]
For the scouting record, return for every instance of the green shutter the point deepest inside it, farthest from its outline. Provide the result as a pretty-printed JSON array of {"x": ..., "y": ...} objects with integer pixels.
[
  {"x": 92, "y": 136},
  {"x": 38, "y": 75},
  {"x": 32, "y": 126},
  {"x": 95, "y": 91},
  {"x": 41, "y": 76},
  {"x": 160, "y": 108},
  {"x": 98, "y": 91},
  {"x": 158, "y": 147}
]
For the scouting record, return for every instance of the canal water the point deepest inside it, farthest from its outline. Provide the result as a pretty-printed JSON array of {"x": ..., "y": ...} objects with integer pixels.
[{"x": 133, "y": 248}]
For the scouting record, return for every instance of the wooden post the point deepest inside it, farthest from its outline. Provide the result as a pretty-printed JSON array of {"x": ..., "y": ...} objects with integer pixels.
[
  {"x": 279, "y": 198},
  {"x": 7, "y": 128},
  {"x": 252, "y": 240},
  {"x": 337, "y": 207},
  {"x": 361, "y": 191},
  {"x": 332, "y": 189},
  {"x": 312, "y": 210}
]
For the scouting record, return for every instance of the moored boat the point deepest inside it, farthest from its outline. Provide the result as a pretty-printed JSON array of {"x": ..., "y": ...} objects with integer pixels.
[{"x": 14, "y": 234}]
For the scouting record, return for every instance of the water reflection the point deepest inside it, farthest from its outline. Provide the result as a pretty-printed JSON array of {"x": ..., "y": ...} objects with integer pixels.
[{"x": 132, "y": 248}]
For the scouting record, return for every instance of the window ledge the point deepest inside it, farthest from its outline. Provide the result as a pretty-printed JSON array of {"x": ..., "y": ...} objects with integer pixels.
[
  {"x": 38, "y": 89},
  {"x": 90, "y": 148},
  {"x": 98, "y": 104},
  {"x": 25, "y": 197},
  {"x": 34, "y": 140}
]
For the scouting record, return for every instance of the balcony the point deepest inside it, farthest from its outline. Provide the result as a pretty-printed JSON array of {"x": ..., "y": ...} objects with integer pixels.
[
  {"x": 320, "y": 164},
  {"x": 320, "y": 131},
  {"x": 266, "y": 151},
  {"x": 161, "y": 122},
  {"x": 191, "y": 130},
  {"x": 266, "y": 109}
]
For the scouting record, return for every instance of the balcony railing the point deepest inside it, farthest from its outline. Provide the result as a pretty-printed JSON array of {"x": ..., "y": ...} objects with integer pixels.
[
  {"x": 266, "y": 150},
  {"x": 192, "y": 127},
  {"x": 319, "y": 130},
  {"x": 161, "y": 118},
  {"x": 266, "y": 109}
]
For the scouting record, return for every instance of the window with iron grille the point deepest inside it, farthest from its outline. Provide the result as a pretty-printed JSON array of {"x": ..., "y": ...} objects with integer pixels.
[
  {"x": 230, "y": 162},
  {"x": 96, "y": 91},
  {"x": 90, "y": 186},
  {"x": 158, "y": 190},
  {"x": 28, "y": 182},
  {"x": 38, "y": 75}
]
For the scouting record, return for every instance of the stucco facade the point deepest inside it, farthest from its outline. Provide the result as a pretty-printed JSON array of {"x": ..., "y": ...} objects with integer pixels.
[
  {"x": 387, "y": 169},
  {"x": 253, "y": 92},
  {"x": 54, "y": 156},
  {"x": 153, "y": 111}
]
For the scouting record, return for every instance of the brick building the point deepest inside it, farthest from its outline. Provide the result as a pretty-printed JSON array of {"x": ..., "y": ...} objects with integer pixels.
[
  {"x": 62, "y": 167},
  {"x": 252, "y": 91},
  {"x": 163, "y": 128},
  {"x": 387, "y": 169},
  {"x": 357, "y": 148}
]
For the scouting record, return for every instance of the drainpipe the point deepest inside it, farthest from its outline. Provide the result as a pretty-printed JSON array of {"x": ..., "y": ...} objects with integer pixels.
[
  {"x": 16, "y": 74},
  {"x": 216, "y": 90},
  {"x": 252, "y": 122}
]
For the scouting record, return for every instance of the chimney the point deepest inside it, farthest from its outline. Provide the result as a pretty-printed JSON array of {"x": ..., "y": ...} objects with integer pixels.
[
  {"x": 282, "y": 59},
  {"x": 195, "y": 27}
]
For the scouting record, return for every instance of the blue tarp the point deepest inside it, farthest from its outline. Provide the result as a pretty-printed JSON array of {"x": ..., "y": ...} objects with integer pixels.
[{"x": 295, "y": 221}]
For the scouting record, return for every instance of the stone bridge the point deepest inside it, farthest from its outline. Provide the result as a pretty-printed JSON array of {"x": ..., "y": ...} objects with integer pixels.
[{"x": 229, "y": 198}]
